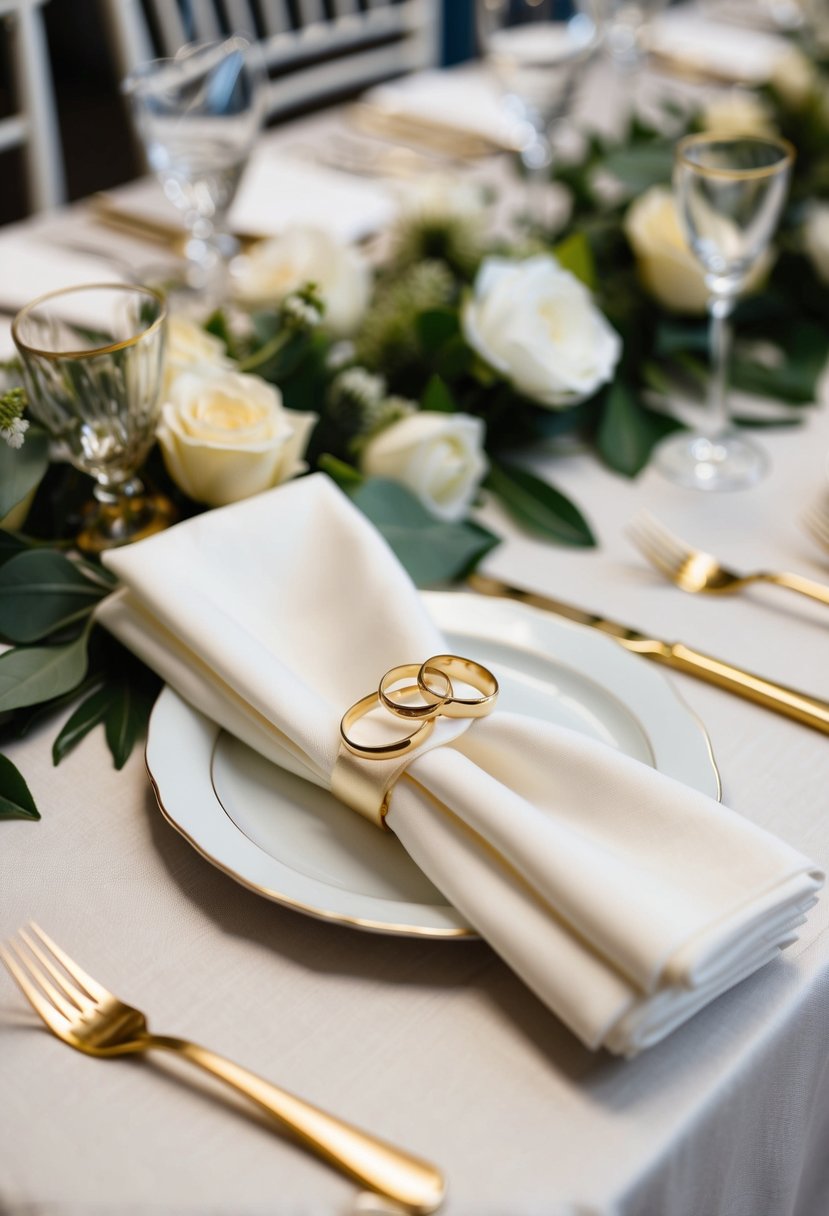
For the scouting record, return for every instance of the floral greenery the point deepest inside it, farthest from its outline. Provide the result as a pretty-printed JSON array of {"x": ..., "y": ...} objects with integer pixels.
[{"x": 410, "y": 355}]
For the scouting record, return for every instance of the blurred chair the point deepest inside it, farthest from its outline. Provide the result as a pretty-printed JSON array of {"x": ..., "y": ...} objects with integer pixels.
[
  {"x": 315, "y": 50},
  {"x": 33, "y": 123}
]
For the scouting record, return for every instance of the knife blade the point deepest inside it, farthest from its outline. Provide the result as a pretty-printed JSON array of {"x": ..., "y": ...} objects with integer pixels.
[{"x": 809, "y": 711}]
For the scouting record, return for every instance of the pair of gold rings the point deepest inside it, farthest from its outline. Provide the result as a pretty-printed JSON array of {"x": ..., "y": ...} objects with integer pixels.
[{"x": 433, "y": 684}]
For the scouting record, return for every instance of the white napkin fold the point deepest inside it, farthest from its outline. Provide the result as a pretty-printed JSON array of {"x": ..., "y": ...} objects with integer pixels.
[
  {"x": 29, "y": 268},
  {"x": 714, "y": 48},
  {"x": 624, "y": 900},
  {"x": 470, "y": 103}
]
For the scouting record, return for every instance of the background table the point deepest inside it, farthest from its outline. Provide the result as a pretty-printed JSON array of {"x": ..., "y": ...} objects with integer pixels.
[{"x": 437, "y": 1045}]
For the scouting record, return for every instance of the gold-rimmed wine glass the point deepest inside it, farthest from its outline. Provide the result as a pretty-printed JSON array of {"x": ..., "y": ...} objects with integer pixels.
[
  {"x": 730, "y": 192},
  {"x": 93, "y": 362}
]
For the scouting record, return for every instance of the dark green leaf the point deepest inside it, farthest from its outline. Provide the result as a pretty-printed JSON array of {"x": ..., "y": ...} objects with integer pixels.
[
  {"x": 85, "y": 718},
  {"x": 16, "y": 802},
  {"x": 436, "y": 326},
  {"x": 436, "y": 397},
  {"x": 125, "y": 719},
  {"x": 22, "y": 468},
  {"x": 42, "y": 591},
  {"x": 345, "y": 475},
  {"x": 10, "y": 546},
  {"x": 574, "y": 254},
  {"x": 795, "y": 380},
  {"x": 432, "y": 550},
  {"x": 628, "y": 431},
  {"x": 673, "y": 336},
  {"x": 27, "y": 718},
  {"x": 31, "y": 674},
  {"x": 538, "y": 507}
]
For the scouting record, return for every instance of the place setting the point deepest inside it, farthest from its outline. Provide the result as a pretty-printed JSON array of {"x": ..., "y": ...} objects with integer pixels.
[{"x": 324, "y": 493}]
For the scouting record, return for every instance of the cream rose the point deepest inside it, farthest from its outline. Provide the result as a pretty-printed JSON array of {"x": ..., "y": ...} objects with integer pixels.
[
  {"x": 439, "y": 457},
  {"x": 816, "y": 238},
  {"x": 794, "y": 78},
  {"x": 668, "y": 269},
  {"x": 188, "y": 345},
  {"x": 226, "y": 436},
  {"x": 274, "y": 268},
  {"x": 737, "y": 113},
  {"x": 537, "y": 325}
]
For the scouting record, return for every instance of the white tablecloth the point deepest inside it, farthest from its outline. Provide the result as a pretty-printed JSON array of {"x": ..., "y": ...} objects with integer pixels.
[{"x": 437, "y": 1045}]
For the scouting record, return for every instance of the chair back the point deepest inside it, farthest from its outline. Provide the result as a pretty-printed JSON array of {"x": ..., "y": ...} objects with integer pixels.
[
  {"x": 313, "y": 49},
  {"x": 33, "y": 124}
]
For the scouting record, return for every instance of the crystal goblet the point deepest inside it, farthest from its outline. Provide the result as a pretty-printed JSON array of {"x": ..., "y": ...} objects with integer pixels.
[
  {"x": 730, "y": 192},
  {"x": 93, "y": 362},
  {"x": 535, "y": 49},
  {"x": 198, "y": 116}
]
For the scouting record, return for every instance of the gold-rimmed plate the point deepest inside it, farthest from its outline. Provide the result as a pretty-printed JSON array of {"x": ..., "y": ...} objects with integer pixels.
[{"x": 295, "y": 844}]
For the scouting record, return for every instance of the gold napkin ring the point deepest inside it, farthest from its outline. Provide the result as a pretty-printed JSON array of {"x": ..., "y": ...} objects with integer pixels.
[
  {"x": 408, "y": 671},
  {"x": 381, "y": 751},
  {"x": 467, "y": 671}
]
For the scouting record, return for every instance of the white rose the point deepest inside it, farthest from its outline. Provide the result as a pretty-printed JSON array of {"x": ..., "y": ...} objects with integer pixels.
[
  {"x": 442, "y": 196},
  {"x": 226, "y": 436},
  {"x": 737, "y": 113},
  {"x": 273, "y": 269},
  {"x": 188, "y": 345},
  {"x": 816, "y": 238},
  {"x": 439, "y": 457},
  {"x": 668, "y": 269},
  {"x": 794, "y": 78},
  {"x": 537, "y": 325}
]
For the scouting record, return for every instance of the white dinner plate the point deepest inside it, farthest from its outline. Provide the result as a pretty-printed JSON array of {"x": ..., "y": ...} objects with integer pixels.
[{"x": 295, "y": 844}]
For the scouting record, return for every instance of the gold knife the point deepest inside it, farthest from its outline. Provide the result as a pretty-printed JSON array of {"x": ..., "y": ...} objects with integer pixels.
[{"x": 810, "y": 711}]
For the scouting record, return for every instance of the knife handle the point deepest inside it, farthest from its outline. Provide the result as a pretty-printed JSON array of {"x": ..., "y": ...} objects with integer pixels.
[{"x": 810, "y": 711}]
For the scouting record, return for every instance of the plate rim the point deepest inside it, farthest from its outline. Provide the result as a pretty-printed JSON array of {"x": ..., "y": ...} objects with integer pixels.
[{"x": 443, "y": 603}]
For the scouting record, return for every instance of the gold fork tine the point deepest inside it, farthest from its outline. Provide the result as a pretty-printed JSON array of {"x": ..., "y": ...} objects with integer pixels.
[
  {"x": 75, "y": 995},
  {"x": 55, "y": 1020},
  {"x": 57, "y": 998},
  {"x": 92, "y": 987},
  {"x": 660, "y": 546},
  {"x": 816, "y": 519}
]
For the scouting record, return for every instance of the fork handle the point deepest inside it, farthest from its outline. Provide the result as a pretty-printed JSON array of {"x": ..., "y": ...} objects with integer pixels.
[
  {"x": 804, "y": 586},
  {"x": 412, "y": 1182}
]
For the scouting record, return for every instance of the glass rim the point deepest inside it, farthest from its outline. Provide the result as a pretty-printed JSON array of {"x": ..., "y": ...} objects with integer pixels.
[
  {"x": 711, "y": 137},
  {"x": 143, "y": 71},
  {"x": 111, "y": 347}
]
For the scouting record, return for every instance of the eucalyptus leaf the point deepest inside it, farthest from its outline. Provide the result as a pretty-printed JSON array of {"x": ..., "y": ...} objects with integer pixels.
[
  {"x": 10, "y": 546},
  {"x": 640, "y": 166},
  {"x": 86, "y": 717},
  {"x": 539, "y": 507},
  {"x": 21, "y": 469},
  {"x": 31, "y": 674},
  {"x": 629, "y": 431},
  {"x": 431, "y": 550},
  {"x": 42, "y": 591},
  {"x": 16, "y": 801},
  {"x": 125, "y": 719}
]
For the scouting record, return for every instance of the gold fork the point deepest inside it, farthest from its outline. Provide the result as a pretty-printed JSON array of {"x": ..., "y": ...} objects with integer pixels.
[
  {"x": 85, "y": 1015},
  {"x": 816, "y": 519},
  {"x": 692, "y": 570}
]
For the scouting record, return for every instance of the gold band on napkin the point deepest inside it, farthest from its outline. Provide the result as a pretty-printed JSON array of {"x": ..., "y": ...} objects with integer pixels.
[{"x": 366, "y": 788}]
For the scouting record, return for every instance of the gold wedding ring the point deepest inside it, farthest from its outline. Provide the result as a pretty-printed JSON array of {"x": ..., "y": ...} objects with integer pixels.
[
  {"x": 467, "y": 671},
  {"x": 434, "y": 685}
]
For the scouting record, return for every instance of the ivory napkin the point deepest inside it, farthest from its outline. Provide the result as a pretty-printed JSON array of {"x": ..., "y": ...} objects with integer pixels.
[
  {"x": 469, "y": 103},
  {"x": 623, "y": 899},
  {"x": 29, "y": 268},
  {"x": 715, "y": 49}
]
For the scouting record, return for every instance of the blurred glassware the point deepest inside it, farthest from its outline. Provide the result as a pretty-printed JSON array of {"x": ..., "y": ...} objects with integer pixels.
[
  {"x": 730, "y": 192},
  {"x": 199, "y": 115},
  {"x": 93, "y": 360},
  {"x": 625, "y": 28},
  {"x": 535, "y": 49}
]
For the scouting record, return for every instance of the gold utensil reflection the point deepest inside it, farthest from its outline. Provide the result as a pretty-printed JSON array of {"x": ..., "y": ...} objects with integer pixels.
[
  {"x": 695, "y": 571},
  {"x": 816, "y": 520},
  {"x": 82, "y": 1013}
]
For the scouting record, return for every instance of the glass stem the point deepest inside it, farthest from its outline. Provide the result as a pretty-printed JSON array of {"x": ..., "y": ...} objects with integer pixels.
[{"x": 720, "y": 308}]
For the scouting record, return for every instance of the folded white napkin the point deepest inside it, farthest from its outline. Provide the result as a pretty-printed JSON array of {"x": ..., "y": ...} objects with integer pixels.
[
  {"x": 276, "y": 192},
  {"x": 470, "y": 103},
  {"x": 624, "y": 900},
  {"x": 29, "y": 267},
  {"x": 714, "y": 48}
]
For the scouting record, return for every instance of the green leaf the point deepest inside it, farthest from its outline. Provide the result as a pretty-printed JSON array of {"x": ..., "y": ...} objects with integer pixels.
[
  {"x": 574, "y": 254},
  {"x": 42, "y": 591},
  {"x": 85, "y": 718},
  {"x": 345, "y": 475},
  {"x": 21, "y": 469},
  {"x": 436, "y": 326},
  {"x": 642, "y": 165},
  {"x": 539, "y": 507},
  {"x": 125, "y": 719},
  {"x": 31, "y": 674},
  {"x": 10, "y": 546},
  {"x": 795, "y": 379},
  {"x": 16, "y": 802},
  {"x": 436, "y": 397},
  {"x": 432, "y": 550},
  {"x": 628, "y": 431}
]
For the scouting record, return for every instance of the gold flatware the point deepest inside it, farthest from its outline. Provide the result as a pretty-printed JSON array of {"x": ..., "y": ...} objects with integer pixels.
[
  {"x": 426, "y": 133},
  {"x": 146, "y": 228},
  {"x": 82, "y": 1013},
  {"x": 695, "y": 571},
  {"x": 816, "y": 520},
  {"x": 810, "y": 711}
]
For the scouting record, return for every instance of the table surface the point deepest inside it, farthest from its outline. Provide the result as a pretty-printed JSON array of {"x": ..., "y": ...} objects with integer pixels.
[{"x": 437, "y": 1045}]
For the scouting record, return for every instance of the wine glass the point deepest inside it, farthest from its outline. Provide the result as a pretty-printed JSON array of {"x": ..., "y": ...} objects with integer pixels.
[
  {"x": 535, "y": 48},
  {"x": 93, "y": 360},
  {"x": 730, "y": 192},
  {"x": 199, "y": 115},
  {"x": 626, "y": 25}
]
